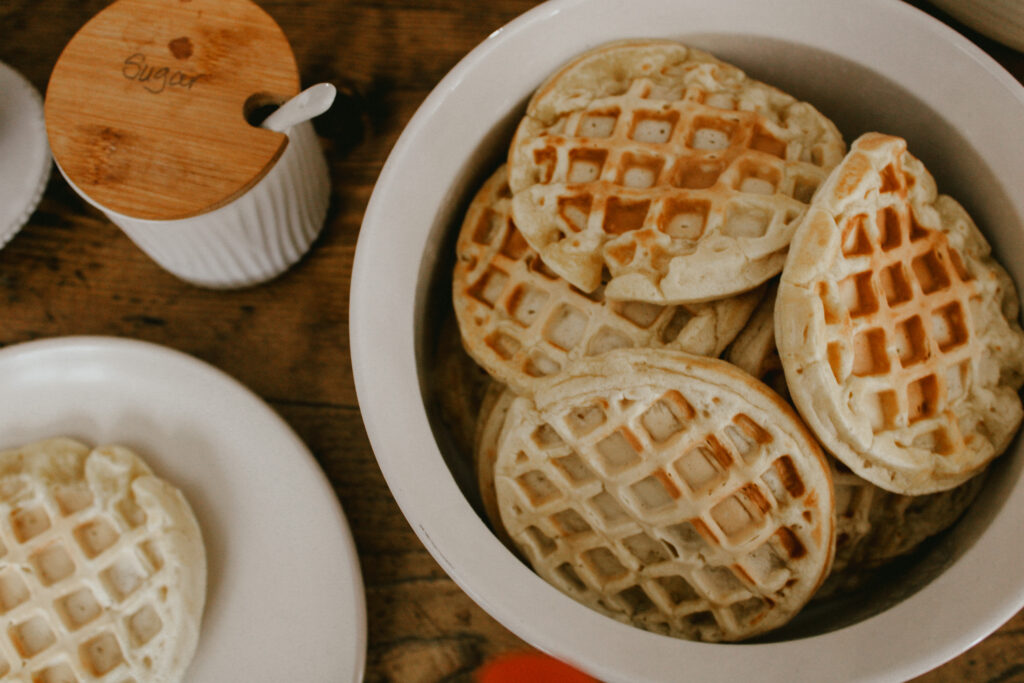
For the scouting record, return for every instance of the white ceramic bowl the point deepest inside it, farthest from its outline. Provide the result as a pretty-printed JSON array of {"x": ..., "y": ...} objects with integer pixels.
[{"x": 870, "y": 65}]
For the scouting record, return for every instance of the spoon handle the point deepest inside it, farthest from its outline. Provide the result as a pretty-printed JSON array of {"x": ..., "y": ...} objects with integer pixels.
[{"x": 309, "y": 103}]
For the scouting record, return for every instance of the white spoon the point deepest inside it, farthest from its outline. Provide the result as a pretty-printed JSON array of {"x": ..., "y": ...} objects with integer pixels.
[{"x": 309, "y": 103}]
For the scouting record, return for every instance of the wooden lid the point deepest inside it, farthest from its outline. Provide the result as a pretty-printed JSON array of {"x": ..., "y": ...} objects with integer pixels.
[{"x": 146, "y": 107}]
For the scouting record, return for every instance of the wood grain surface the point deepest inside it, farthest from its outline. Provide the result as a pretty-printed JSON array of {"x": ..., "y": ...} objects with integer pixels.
[
  {"x": 146, "y": 107},
  {"x": 70, "y": 271}
]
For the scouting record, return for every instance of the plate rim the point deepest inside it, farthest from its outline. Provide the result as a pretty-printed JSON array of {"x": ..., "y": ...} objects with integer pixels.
[
  {"x": 94, "y": 347},
  {"x": 29, "y": 105}
]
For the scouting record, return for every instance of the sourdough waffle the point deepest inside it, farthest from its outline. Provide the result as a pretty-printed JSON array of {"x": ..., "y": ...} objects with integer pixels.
[
  {"x": 669, "y": 491},
  {"x": 102, "y": 568},
  {"x": 521, "y": 322},
  {"x": 673, "y": 170},
  {"x": 897, "y": 331}
]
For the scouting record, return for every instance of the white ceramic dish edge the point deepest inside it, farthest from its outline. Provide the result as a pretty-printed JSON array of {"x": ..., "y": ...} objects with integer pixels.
[{"x": 24, "y": 150}]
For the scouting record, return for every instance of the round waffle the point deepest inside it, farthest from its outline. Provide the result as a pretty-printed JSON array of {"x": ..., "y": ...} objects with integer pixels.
[
  {"x": 102, "y": 567},
  {"x": 874, "y": 526},
  {"x": 669, "y": 491},
  {"x": 673, "y": 170},
  {"x": 458, "y": 385},
  {"x": 897, "y": 331},
  {"x": 521, "y": 322},
  {"x": 490, "y": 421}
]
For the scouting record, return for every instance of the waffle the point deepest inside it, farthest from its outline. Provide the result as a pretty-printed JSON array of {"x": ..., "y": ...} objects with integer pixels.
[
  {"x": 458, "y": 385},
  {"x": 521, "y": 322},
  {"x": 493, "y": 410},
  {"x": 673, "y": 170},
  {"x": 669, "y": 491},
  {"x": 875, "y": 527},
  {"x": 896, "y": 329},
  {"x": 102, "y": 568}
]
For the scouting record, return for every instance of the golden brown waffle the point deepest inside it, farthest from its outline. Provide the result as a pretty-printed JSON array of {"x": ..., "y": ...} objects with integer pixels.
[
  {"x": 669, "y": 491},
  {"x": 673, "y": 170},
  {"x": 875, "y": 526},
  {"x": 897, "y": 331},
  {"x": 521, "y": 322},
  {"x": 102, "y": 568}
]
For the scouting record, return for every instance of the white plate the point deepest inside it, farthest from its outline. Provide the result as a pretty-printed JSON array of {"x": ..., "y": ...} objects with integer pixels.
[
  {"x": 25, "y": 161},
  {"x": 285, "y": 597}
]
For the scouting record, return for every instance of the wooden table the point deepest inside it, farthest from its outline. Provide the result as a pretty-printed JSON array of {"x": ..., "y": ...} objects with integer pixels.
[{"x": 70, "y": 271}]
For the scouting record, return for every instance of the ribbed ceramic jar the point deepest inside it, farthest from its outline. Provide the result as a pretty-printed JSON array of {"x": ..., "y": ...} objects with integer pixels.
[
  {"x": 151, "y": 113},
  {"x": 252, "y": 239}
]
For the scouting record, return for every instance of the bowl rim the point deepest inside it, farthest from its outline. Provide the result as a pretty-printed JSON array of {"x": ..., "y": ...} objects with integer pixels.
[{"x": 388, "y": 259}]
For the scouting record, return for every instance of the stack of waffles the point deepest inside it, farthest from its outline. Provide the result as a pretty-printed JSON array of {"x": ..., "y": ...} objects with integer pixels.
[{"x": 731, "y": 365}]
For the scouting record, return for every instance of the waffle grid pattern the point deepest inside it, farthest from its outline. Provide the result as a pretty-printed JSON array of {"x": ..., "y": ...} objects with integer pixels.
[
  {"x": 898, "y": 319},
  {"x": 704, "y": 535},
  {"x": 651, "y": 174},
  {"x": 522, "y": 322},
  {"x": 62, "y": 563}
]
